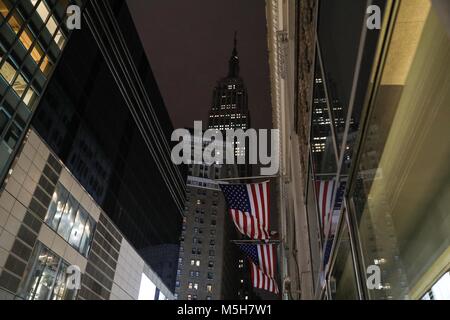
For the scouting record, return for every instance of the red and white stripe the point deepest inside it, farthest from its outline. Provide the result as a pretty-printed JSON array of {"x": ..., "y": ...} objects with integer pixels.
[
  {"x": 267, "y": 259},
  {"x": 249, "y": 225},
  {"x": 258, "y": 194},
  {"x": 260, "y": 280},
  {"x": 324, "y": 192}
]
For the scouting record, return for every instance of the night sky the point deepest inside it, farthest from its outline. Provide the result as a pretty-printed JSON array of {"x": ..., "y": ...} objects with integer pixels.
[{"x": 188, "y": 44}]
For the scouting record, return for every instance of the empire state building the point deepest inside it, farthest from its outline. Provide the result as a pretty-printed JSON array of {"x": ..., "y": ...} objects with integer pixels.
[{"x": 229, "y": 108}]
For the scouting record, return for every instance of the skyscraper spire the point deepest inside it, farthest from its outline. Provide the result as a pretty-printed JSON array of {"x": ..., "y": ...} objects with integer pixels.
[
  {"x": 235, "y": 44},
  {"x": 233, "y": 65}
]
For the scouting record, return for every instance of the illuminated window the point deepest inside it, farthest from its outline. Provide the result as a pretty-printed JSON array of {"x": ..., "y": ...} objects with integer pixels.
[
  {"x": 7, "y": 71},
  {"x": 51, "y": 25},
  {"x": 47, "y": 277},
  {"x": 27, "y": 39}
]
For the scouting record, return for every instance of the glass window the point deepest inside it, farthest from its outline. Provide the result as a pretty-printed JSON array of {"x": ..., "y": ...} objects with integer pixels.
[
  {"x": 322, "y": 144},
  {"x": 401, "y": 192},
  {"x": 88, "y": 234},
  {"x": 28, "y": 41},
  {"x": 46, "y": 277},
  {"x": 315, "y": 233},
  {"x": 4, "y": 119},
  {"x": 13, "y": 135},
  {"x": 68, "y": 217},
  {"x": 42, "y": 9},
  {"x": 4, "y": 7},
  {"x": 78, "y": 227},
  {"x": 60, "y": 290},
  {"x": 70, "y": 220},
  {"x": 7, "y": 71},
  {"x": 56, "y": 207},
  {"x": 339, "y": 32},
  {"x": 342, "y": 279}
]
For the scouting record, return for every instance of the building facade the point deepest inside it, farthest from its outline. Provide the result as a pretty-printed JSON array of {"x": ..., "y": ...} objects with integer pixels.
[
  {"x": 49, "y": 223},
  {"x": 361, "y": 112},
  {"x": 117, "y": 144},
  {"x": 207, "y": 265},
  {"x": 33, "y": 36},
  {"x": 222, "y": 275},
  {"x": 103, "y": 120}
]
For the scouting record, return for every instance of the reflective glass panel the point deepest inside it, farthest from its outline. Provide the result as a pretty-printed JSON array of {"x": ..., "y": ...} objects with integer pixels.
[
  {"x": 78, "y": 227},
  {"x": 401, "y": 194},
  {"x": 342, "y": 281},
  {"x": 68, "y": 218},
  {"x": 56, "y": 207}
]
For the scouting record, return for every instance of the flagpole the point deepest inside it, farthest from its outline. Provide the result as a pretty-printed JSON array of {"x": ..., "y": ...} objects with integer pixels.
[
  {"x": 248, "y": 178},
  {"x": 256, "y": 241}
]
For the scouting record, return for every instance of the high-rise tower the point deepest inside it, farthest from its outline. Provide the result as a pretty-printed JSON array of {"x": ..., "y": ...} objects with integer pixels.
[
  {"x": 210, "y": 266},
  {"x": 229, "y": 108}
]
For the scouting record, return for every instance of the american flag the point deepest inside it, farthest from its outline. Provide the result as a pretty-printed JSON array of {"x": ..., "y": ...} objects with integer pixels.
[
  {"x": 262, "y": 259},
  {"x": 324, "y": 192},
  {"x": 262, "y": 281},
  {"x": 263, "y": 255},
  {"x": 249, "y": 208},
  {"x": 328, "y": 210}
]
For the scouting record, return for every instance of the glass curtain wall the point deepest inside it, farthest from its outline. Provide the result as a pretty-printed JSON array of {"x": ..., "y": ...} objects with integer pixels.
[
  {"x": 400, "y": 193},
  {"x": 46, "y": 277},
  {"x": 70, "y": 220},
  {"x": 332, "y": 126},
  {"x": 32, "y": 36},
  {"x": 379, "y": 152}
]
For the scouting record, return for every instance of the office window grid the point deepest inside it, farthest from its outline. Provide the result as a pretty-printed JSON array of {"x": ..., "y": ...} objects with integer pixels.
[{"x": 32, "y": 37}]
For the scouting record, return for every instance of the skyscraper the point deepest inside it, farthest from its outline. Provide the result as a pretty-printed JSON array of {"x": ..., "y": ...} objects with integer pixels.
[
  {"x": 32, "y": 37},
  {"x": 92, "y": 184},
  {"x": 210, "y": 266},
  {"x": 229, "y": 108}
]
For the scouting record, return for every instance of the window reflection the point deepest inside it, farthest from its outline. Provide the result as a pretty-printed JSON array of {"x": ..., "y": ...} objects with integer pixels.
[
  {"x": 52, "y": 25},
  {"x": 322, "y": 148},
  {"x": 78, "y": 227},
  {"x": 342, "y": 281},
  {"x": 8, "y": 72},
  {"x": 56, "y": 207},
  {"x": 46, "y": 277},
  {"x": 28, "y": 41},
  {"x": 70, "y": 220},
  {"x": 401, "y": 193}
]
